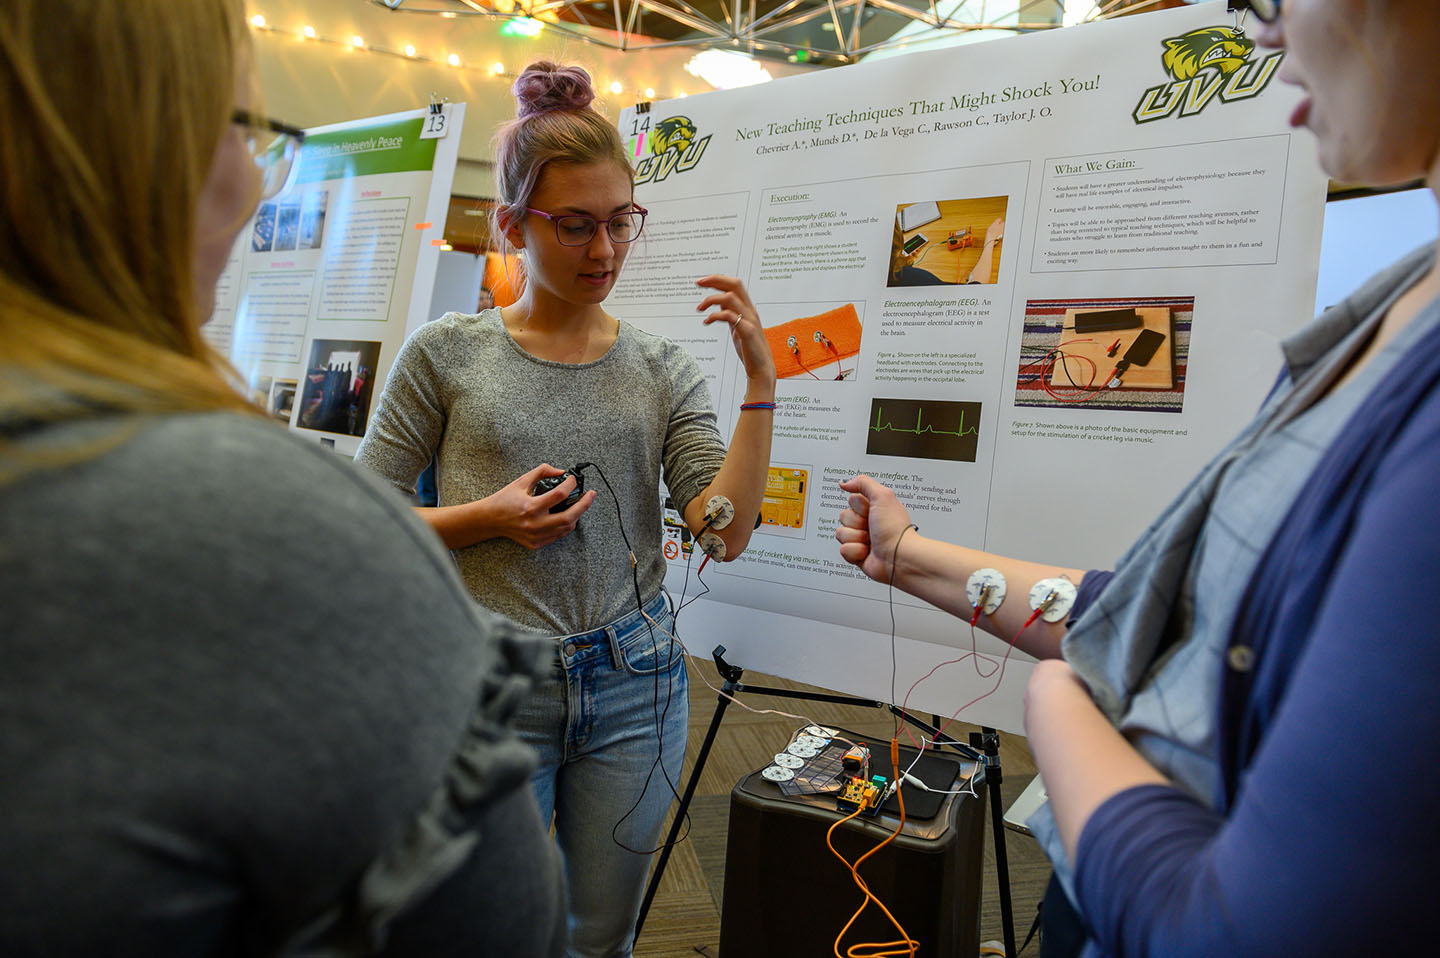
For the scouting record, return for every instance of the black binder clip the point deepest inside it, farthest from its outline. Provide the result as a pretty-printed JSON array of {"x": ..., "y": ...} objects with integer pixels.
[{"x": 1239, "y": 8}]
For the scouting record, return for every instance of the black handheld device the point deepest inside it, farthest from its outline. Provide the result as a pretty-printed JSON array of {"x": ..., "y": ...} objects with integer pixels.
[
  {"x": 552, "y": 482},
  {"x": 1102, "y": 320},
  {"x": 1143, "y": 348},
  {"x": 915, "y": 242}
]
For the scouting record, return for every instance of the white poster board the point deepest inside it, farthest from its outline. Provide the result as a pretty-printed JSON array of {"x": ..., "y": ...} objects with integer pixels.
[
  {"x": 330, "y": 276},
  {"x": 1148, "y": 182}
]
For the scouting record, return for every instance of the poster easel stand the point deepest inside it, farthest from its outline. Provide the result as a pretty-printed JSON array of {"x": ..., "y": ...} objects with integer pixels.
[{"x": 984, "y": 748}]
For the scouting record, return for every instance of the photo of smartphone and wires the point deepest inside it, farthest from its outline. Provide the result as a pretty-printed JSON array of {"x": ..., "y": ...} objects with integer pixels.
[{"x": 1112, "y": 354}]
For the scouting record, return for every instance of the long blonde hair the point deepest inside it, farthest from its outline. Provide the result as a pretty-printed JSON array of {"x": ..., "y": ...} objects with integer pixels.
[{"x": 110, "y": 115}]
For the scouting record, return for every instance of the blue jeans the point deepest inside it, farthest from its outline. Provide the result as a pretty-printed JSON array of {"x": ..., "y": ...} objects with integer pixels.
[{"x": 595, "y": 721}]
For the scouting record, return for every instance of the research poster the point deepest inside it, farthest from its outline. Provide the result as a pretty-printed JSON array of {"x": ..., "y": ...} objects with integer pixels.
[
  {"x": 330, "y": 276},
  {"x": 1031, "y": 284}
]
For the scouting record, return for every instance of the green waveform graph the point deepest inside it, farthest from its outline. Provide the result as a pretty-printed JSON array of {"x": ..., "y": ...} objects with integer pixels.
[{"x": 924, "y": 429}]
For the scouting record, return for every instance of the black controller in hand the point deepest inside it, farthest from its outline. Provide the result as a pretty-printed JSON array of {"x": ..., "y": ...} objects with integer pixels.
[{"x": 551, "y": 482}]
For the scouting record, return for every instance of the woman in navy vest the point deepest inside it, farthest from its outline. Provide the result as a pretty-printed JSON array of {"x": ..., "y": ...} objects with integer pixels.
[{"x": 1224, "y": 724}]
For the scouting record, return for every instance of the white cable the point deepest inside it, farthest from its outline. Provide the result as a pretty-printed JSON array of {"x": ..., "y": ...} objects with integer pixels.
[{"x": 804, "y": 718}]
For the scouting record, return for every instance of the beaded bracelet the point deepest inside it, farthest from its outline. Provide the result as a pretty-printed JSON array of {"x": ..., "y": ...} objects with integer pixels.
[{"x": 756, "y": 405}]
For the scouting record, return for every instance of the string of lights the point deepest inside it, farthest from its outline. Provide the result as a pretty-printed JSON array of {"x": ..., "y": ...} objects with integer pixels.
[{"x": 516, "y": 26}]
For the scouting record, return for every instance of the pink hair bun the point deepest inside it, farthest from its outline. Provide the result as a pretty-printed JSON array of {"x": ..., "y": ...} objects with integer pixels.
[{"x": 546, "y": 86}]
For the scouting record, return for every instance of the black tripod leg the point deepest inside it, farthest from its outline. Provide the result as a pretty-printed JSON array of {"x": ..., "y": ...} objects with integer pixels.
[
  {"x": 990, "y": 742},
  {"x": 723, "y": 701}
]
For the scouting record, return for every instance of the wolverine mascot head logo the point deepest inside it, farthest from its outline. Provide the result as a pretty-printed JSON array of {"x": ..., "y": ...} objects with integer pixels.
[
  {"x": 675, "y": 133},
  {"x": 1223, "y": 48}
]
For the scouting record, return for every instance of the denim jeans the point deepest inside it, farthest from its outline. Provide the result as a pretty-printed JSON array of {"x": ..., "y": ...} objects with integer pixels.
[{"x": 595, "y": 721}]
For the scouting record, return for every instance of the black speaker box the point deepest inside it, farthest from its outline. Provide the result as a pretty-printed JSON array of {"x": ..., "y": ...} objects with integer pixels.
[{"x": 788, "y": 896}]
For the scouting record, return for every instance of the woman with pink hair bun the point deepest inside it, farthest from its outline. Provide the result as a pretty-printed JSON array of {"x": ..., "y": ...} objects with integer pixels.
[
  {"x": 544, "y": 87},
  {"x": 505, "y": 400}
]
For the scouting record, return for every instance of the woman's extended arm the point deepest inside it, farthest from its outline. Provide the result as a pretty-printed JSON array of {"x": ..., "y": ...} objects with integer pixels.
[
  {"x": 1330, "y": 817},
  {"x": 937, "y": 571},
  {"x": 741, "y": 478}
]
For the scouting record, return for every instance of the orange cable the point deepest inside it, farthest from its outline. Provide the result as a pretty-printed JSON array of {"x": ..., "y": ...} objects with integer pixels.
[{"x": 905, "y": 945}]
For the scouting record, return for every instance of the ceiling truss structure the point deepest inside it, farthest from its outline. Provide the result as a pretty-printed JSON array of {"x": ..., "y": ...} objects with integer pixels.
[{"x": 823, "y": 32}]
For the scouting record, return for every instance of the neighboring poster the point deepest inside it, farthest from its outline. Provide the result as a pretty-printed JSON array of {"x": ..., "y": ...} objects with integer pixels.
[
  {"x": 1032, "y": 284},
  {"x": 330, "y": 276}
]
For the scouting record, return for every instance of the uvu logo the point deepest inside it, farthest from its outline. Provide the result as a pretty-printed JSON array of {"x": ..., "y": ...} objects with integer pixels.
[
  {"x": 1205, "y": 64},
  {"x": 676, "y": 150}
]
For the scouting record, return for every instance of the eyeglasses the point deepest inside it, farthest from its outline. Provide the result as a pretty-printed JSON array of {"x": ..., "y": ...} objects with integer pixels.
[
  {"x": 1266, "y": 11},
  {"x": 274, "y": 145},
  {"x": 576, "y": 229}
]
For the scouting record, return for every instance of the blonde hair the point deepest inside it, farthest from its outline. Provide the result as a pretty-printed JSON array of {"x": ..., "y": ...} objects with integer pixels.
[
  {"x": 111, "y": 112},
  {"x": 554, "y": 123}
]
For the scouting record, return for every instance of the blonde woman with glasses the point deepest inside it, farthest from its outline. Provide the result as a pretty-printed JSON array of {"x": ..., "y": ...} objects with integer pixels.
[
  {"x": 508, "y": 400},
  {"x": 208, "y": 748}
]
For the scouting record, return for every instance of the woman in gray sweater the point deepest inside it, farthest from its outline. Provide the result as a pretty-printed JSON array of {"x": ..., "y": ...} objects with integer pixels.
[
  {"x": 248, "y": 708},
  {"x": 502, "y": 399}
]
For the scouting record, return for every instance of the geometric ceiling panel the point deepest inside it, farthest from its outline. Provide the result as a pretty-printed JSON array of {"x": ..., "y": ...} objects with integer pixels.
[{"x": 820, "y": 32}]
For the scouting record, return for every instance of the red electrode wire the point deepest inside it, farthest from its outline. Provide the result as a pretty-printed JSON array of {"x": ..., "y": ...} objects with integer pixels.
[
  {"x": 1047, "y": 365},
  {"x": 999, "y": 679}
]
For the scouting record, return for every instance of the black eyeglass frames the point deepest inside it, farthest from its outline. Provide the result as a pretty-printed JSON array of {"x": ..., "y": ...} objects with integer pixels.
[{"x": 274, "y": 145}]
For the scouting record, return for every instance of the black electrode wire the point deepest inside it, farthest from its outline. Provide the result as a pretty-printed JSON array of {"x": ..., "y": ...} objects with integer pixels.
[
  {"x": 620, "y": 521},
  {"x": 1047, "y": 363},
  {"x": 1045, "y": 353},
  {"x": 890, "y": 600},
  {"x": 675, "y": 622},
  {"x": 704, "y": 586},
  {"x": 685, "y": 585},
  {"x": 1049, "y": 355},
  {"x": 659, "y": 714},
  {"x": 1065, "y": 365}
]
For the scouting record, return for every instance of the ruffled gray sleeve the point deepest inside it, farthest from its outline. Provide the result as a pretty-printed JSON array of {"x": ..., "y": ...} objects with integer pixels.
[{"x": 458, "y": 840}]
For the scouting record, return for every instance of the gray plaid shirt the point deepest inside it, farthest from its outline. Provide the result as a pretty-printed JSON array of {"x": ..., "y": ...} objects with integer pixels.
[{"x": 1151, "y": 645}]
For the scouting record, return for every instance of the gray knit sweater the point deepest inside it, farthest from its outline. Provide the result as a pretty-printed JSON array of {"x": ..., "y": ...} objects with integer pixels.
[
  {"x": 464, "y": 391},
  {"x": 237, "y": 673}
]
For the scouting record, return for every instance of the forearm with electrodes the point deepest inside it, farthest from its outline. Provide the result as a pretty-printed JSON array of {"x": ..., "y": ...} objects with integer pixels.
[{"x": 995, "y": 593}]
